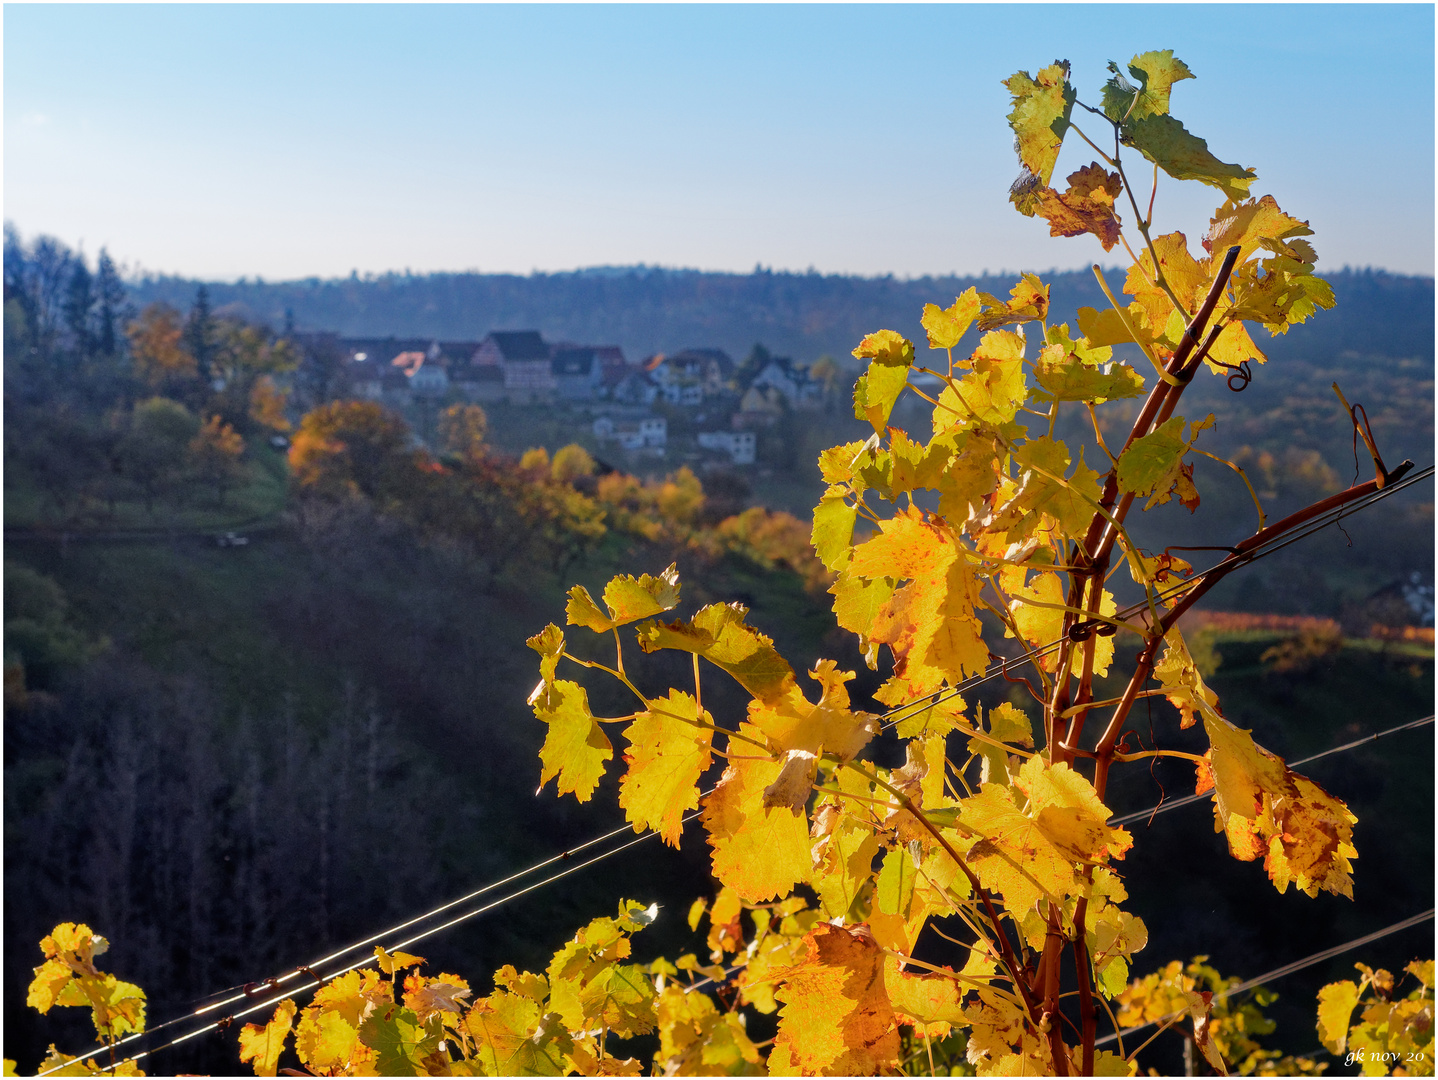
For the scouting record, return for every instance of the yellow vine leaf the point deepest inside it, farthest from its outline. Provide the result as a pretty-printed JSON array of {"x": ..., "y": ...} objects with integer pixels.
[
  {"x": 1043, "y": 488},
  {"x": 1248, "y": 224},
  {"x": 58, "y": 1064},
  {"x": 971, "y": 476},
  {"x": 929, "y": 624},
  {"x": 1105, "y": 328},
  {"x": 996, "y": 387},
  {"x": 801, "y": 730},
  {"x": 1156, "y": 73},
  {"x": 843, "y": 858},
  {"x": 931, "y": 1004},
  {"x": 1182, "y": 683},
  {"x": 1001, "y": 1042},
  {"x": 1029, "y": 854},
  {"x": 836, "y": 464},
  {"x": 1040, "y": 120},
  {"x": 627, "y": 598},
  {"x": 890, "y": 356},
  {"x": 1008, "y": 724},
  {"x": 1233, "y": 347},
  {"x": 857, "y": 603},
  {"x": 263, "y": 1045},
  {"x": 1310, "y": 840},
  {"x": 1028, "y": 302},
  {"x": 760, "y": 852},
  {"x": 1303, "y": 833},
  {"x": 1336, "y": 1003},
  {"x": 510, "y": 1040},
  {"x": 1063, "y": 376},
  {"x": 1186, "y": 276},
  {"x": 1069, "y": 813},
  {"x": 1039, "y": 625},
  {"x": 836, "y": 1019},
  {"x": 1009, "y": 853},
  {"x": 834, "y": 527},
  {"x": 666, "y": 758},
  {"x": 389, "y": 963},
  {"x": 51, "y": 979},
  {"x": 696, "y": 1039},
  {"x": 718, "y": 633},
  {"x": 945, "y": 326},
  {"x": 575, "y": 748},
  {"x": 327, "y": 1037}
]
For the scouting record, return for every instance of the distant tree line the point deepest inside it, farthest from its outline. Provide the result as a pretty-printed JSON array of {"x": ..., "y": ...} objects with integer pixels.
[{"x": 650, "y": 310}]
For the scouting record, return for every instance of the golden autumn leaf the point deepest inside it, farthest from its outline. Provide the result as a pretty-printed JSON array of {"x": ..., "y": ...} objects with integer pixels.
[
  {"x": 1182, "y": 683},
  {"x": 509, "y": 1039},
  {"x": 995, "y": 387},
  {"x": 801, "y": 729},
  {"x": 1336, "y": 1003},
  {"x": 1303, "y": 834},
  {"x": 1311, "y": 840},
  {"x": 760, "y": 852},
  {"x": 931, "y": 1004},
  {"x": 1040, "y": 119},
  {"x": 668, "y": 752},
  {"x": 719, "y": 634},
  {"x": 263, "y": 1045},
  {"x": 575, "y": 748},
  {"x": 836, "y": 1019},
  {"x": 929, "y": 624},
  {"x": 696, "y": 1039},
  {"x": 890, "y": 356},
  {"x": 945, "y": 326},
  {"x": 627, "y": 598}
]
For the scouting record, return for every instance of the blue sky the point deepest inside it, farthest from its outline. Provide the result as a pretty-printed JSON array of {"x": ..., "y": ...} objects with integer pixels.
[{"x": 288, "y": 141}]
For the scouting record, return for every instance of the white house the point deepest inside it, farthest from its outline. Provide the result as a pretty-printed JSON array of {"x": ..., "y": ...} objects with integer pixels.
[
  {"x": 644, "y": 433},
  {"x": 739, "y": 445}
]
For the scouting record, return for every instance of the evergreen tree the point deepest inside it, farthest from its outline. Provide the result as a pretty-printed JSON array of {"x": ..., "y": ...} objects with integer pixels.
[
  {"x": 200, "y": 333},
  {"x": 109, "y": 305},
  {"x": 79, "y": 299}
]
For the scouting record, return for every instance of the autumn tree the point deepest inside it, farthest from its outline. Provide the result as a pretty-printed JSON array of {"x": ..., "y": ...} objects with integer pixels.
[
  {"x": 570, "y": 463},
  {"x": 462, "y": 431},
  {"x": 215, "y": 456},
  {"x": 245, "y": 362},
  {"x": 157, "y": 344},
  {"x": 348, "y": 448}
]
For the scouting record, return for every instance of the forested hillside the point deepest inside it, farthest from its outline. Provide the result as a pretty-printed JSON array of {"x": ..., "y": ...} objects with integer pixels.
[{"x": 649, "y": 310}]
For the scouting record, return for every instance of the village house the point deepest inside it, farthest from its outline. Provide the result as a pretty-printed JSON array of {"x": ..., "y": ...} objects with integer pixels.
[
  {"x": 477, "y": 382},
  {"x": 526, "y": 360},
  {"x": 643, "y": 433},
  {"x": 633, "y": 387},
  {"x": 688, "y": 377},
  {"x": 739, "y": 445},
  {"x": 578, "y": 373},
  {"x": 795, "y": 387}
]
